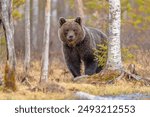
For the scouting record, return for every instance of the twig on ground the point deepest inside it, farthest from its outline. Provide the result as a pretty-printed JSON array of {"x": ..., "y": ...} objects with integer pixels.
[
  {"x": 25, "y": 81},
  {"x": 80, "y": 77},
  {"x": 131, "y": 74}
]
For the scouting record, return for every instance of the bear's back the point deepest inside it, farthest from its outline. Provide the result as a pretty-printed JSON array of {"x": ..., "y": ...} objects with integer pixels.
[{"x": 96, "y": 36}]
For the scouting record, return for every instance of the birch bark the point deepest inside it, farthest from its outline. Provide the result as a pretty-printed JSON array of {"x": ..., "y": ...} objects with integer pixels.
[
  {"x": 114, "y": 51},
  {"x": 7, "y": 21},
  {"x": 45, "y": 53},
  {"x": 27, "y": 36},
  {"x": 35, "y": 6}
]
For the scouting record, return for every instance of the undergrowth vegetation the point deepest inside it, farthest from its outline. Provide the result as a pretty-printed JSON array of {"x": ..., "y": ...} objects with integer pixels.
[
  {"x": 95, "y": 85},
  {"x": 102, "y": 51}
]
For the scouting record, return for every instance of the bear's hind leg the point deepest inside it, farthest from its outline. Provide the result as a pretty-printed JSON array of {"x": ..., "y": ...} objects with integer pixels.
[
  {"x": 90, "y": 68},
  {"x": 99, "y": 68},
  {"x": 74, "y": 68}
]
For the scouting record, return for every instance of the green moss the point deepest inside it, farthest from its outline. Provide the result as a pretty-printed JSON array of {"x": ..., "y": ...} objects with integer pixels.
[
  {"x": 9, "y": 79},
  {"x": 106, "y": 76}
]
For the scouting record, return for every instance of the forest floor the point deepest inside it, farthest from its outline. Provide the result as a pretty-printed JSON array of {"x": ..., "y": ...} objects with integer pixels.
[{"x": 58, "y": 74}]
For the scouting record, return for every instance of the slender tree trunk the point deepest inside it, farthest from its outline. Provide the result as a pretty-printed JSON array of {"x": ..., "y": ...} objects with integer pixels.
[
  {"x": 79, "y": 9},
  {"x": 35, "y": 7},
  {"x": 27, "y": 37},
  {"x": 9, "y": 31},
  {"x": 7, "y": 21},
  {"x": 45, "y": 53},
  {"x": 114, "y": 52}
]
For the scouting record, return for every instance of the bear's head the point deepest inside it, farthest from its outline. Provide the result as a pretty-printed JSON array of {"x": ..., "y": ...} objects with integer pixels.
[{"x": 71, "y": 31}]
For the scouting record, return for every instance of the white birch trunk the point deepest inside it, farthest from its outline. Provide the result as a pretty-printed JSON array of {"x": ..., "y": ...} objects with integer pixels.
[
  {"x": 35, "y": 7},
  {"x": 79, "y": 9},
  {"x": 7, "y": 20},
  {"x": 27, "y": 36},
  {"x": 114, "y": 51},
  {"x": 45, "y": 53}
]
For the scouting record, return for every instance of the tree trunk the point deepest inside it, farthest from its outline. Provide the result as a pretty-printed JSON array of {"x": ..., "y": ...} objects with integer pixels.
[
  {"x": 114, "y": 61},
  {"x": 45, "y": 53},
  {"x": 7, "y": 21},
  {"x": 35, "y": 7},
  {"x": 67, "y": 8},
  {"x": 27, "y": 37},
  {"x": 79, "y": 9},
  {"x": 9, "y": 31}
]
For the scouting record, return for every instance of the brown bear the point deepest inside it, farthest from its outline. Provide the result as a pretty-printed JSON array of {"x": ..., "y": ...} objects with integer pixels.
[{"x": 79, "y": 43}]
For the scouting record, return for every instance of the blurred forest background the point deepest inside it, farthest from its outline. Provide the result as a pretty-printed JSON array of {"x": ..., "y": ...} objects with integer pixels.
[{"x": 135, "y": 31}]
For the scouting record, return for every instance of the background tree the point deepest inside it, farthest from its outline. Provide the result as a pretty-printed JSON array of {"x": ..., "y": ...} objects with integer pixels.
[
  {"x": 79, "y": 9},
  {"x": 114, "y": 61},
  {"x": 7, "y": 22},
  {"x": 27, "y": 37},
  {"x": 35, "y": 9},
  {"x": 114, "y": 51},
  {"x": 45, "y": 53}
]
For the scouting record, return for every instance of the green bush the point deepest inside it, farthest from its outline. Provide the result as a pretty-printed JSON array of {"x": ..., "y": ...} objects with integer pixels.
[
  {"x": 101, "y": 54},
  {"x": 102, "y": 51}
]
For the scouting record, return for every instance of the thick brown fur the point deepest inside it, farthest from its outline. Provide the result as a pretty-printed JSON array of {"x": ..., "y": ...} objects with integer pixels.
[{"x": 79, "y": 43}]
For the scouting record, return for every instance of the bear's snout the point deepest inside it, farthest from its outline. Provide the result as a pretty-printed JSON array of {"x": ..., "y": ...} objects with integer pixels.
[{"x": 71, "y": 36}]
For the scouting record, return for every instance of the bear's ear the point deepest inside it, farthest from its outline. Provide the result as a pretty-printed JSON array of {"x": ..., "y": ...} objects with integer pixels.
[
  {"x": 61, "y": 21},
  {"x": 78, "y": 20}
]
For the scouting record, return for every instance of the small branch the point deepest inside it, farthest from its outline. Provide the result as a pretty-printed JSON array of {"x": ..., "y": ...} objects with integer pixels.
[
  {"x": 136, "y": 77},
  {"x": 25, "y": 81},
  {"x": 131, "y": 73},
  {"x": 121, "y": 76}
]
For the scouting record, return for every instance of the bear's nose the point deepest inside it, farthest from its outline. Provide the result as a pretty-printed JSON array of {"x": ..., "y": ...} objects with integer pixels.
[{"x": 70, "y": 37}]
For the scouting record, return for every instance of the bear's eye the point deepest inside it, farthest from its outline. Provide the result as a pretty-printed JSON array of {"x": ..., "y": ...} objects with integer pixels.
[
  {"x": 74, "y": 30},
  {"x": 66, "y": 30}
]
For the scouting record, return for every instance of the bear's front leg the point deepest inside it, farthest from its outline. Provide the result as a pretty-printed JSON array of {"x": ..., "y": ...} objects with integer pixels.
[
  {"x": 74, "y": 68},
  {"x": 90, "y": 66},
  {"x": 73, "y": 61}
]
